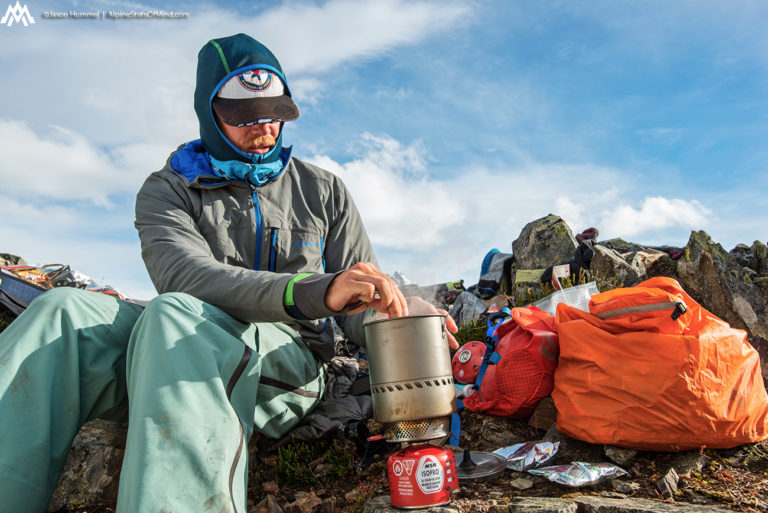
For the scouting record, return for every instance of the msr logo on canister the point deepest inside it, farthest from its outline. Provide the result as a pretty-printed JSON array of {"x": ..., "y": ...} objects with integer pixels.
[{"x": 430, "y": 475}]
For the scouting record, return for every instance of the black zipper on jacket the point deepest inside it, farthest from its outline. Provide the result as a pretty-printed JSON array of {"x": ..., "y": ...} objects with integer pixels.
[{"x": 230, "y": 386}]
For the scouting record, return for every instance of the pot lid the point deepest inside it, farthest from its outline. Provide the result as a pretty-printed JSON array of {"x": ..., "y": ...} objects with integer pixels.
[{"x": 472, "y": 465}]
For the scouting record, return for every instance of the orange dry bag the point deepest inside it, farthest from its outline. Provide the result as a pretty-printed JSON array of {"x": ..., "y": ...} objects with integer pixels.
[{"x": 649, "y": 368}]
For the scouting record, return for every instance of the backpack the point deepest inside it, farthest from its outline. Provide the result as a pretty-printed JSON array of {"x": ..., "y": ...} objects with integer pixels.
[
  {"x": 519, "y": 365},
  {"x": 648, "y": 368}
]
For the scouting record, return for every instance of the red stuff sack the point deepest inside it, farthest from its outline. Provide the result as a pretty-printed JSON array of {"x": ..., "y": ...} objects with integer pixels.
[
  {"x": 643, "y": 372},
  {"x": 522, "y": 366}
]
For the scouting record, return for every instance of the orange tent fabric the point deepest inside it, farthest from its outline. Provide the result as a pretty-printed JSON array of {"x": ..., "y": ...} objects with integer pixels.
[{"x": 631, "y": 375}]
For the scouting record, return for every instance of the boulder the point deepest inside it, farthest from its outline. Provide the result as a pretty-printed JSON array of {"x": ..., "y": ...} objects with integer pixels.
[
  {"x": 760, "y": 251},
  {"x": 608, "y": 263},
  {"x": 714, "y": 278},
  {"x": 744, "y": 256},
  {"x": 753, "y": 257},
  {"x": 646, "y": 259},
  {"x": 92, "y": 470},
  {"x": 662, "y": 266},
  {"x": 544, "y": 242}
]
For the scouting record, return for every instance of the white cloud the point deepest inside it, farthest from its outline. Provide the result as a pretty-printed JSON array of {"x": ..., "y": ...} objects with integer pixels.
[
  {"x": 393, "y": 194},
  {"x": 27, "y": 215},
  {"x": 624, "y": 220},
  {"x": 121, "y": 81},
  {"x": 63, "y": 165},
  {"x": 343, "y": 30},
  {"x": 436, "y": 229}
]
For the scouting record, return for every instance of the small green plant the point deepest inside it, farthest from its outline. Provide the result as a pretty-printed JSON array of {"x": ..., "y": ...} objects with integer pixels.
[
  {"x": 341, "y": 458},
  {"x": 531, "y": 295},
  {"x": 473, "y": 330},
  {"x": 756, "y": 458},
  {"x": 365, "y": 492},
  {"x": 292, "y": 465}
]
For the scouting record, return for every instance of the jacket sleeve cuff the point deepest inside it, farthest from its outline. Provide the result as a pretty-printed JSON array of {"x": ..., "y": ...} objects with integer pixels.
[{"x": 305, "y": 296}]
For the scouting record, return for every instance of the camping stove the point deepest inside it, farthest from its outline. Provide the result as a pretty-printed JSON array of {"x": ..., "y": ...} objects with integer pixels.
[{"x": 413, "y": 397}]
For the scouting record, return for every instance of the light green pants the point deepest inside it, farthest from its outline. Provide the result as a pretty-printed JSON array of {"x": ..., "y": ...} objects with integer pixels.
[{"x": 193, "y": 381}]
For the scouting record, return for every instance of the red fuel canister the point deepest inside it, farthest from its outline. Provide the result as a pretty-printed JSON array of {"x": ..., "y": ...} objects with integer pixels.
[{"x": 421, "y": 475}]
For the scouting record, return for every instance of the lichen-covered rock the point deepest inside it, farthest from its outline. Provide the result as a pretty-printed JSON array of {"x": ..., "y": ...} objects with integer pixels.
[
  {"x": 663, "y": 266},
  {"x": 542, "y": 505},
  {"x": 744, "y": 256},
  {"x": 754, "y": 258},
  {"x": 382, "y": 504},
  {"x": 595, "y": 504},
  {"x": 544, "y": 242},
  {"x": 92, "y": 470},
  {"x": 760, "y": 252},
  {"x": 646, "y": 259},
  {"x": 608, "y": 263},
  {"x": 713, "y": 278}
]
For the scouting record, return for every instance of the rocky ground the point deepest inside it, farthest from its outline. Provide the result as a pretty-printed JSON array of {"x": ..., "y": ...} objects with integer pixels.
[
  {"x": 331, "y": 476},
  {"x": 323, "y": 478},
  {"x": 735, "y": 479}
]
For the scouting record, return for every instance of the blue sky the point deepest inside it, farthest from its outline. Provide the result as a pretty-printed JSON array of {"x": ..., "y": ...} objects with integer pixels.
[{"x": 452, "y": 123}]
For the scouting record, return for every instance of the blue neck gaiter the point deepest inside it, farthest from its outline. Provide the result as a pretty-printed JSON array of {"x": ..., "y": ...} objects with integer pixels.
[{"x": 257, "y": 174}]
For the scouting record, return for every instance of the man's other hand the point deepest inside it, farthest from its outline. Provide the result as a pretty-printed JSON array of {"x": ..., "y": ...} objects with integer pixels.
[
  {"x": 419, "y": 306},
  {"x": 365, "y": 286}
]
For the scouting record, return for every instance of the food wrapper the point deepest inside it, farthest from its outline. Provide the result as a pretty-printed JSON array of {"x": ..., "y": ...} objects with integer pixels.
[
  {"x": 579, "y": 473},
  {"x": 523, "y": 456}
]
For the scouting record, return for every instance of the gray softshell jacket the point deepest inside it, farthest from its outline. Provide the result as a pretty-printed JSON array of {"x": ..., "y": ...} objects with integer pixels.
[
  {"x": 200, "y": 236},
  {"x": 240, "y": 247}
]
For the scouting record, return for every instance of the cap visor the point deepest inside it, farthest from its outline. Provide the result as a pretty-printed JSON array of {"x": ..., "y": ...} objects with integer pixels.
[{"x": 255, "y": 110}]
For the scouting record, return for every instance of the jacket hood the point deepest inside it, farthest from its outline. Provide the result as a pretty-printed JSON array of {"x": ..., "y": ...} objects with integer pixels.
[{"x": 218, "y": 61}]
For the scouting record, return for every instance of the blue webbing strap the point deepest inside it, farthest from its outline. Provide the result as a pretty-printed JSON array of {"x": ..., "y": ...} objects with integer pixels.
[
  {"x": 455, "y": 435},
  {"x": 491, "y": 356}
]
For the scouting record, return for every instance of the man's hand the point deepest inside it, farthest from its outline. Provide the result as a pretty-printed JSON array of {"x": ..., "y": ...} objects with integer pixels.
[
  {"x": 419, "y": 306},
  {"x": 363, "y": 283}
]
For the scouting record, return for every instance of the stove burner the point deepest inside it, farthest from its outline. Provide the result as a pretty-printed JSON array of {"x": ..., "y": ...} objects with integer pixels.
[{"x": 417, "y": 430}]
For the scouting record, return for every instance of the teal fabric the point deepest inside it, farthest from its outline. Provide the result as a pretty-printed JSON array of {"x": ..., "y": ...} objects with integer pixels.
[
  {"x": 257, "y": 174},
  {"x": 241, "y": 53},
  {"x": 79, "y": 355}
]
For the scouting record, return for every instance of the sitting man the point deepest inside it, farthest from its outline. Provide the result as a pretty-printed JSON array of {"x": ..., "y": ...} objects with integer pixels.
[{"x": 250, "y": 249}]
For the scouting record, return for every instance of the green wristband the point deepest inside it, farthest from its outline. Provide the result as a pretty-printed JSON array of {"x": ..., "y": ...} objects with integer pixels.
[{"x": 288, "y": 302}]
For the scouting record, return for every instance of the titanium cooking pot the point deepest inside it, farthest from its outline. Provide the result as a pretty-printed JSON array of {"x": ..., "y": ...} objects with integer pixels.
[{"x": 409, "y": 366}]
